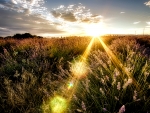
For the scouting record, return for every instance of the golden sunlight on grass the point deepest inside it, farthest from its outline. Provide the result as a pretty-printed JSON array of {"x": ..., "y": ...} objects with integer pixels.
[
  {"x": 118, "y": 63},
  {"x": 75, "y": 75},
  {"x": 79, "y": 69}
]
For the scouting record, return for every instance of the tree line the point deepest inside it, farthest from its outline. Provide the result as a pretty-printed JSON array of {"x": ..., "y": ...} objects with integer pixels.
[{"x": 21, "y": 36}]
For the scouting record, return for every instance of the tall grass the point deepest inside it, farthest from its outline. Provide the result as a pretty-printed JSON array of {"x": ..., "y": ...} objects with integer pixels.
[
  {"x": 106, "y": 89},
  {"x": 33, "y": 70}
]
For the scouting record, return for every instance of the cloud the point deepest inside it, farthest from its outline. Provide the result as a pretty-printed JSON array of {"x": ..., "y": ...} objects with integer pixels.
[
  {"x": 122, "y": 12},
  {"x": 14, "y": 1},
  {"x": 147, "y": 3},
  {"x": 4, "y": 30},
  {"x": 68, "y": 16},
  {"x": 26, "y": 6},
  {"x": 19, "y": 16},
  {"x": 148, "y": 23},
  {"x": 75, "y": 13},
  {"x": 2, "y": 2},
  {"x": 148, "y": 26},
  {"x": 65, "y": 13},
  {"x": 12, "y": 22},
  {"x": 136, "y": 22},
  {"x": 1, "y": 28},
  {"x": 56, "y": 14}
]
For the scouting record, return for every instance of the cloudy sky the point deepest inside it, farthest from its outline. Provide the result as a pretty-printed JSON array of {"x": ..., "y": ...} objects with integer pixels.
[{"x": 74, "y": 17}]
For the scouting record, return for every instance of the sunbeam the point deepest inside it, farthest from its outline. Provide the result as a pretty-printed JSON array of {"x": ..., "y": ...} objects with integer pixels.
[
  {"x": 79, "y": 69},
  {"x": 88, "y": 49},
  {"x": 118, "y": 63}
]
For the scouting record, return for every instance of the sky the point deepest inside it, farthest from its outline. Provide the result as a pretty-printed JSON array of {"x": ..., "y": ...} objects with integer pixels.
[{"x": 74, "y": 17}]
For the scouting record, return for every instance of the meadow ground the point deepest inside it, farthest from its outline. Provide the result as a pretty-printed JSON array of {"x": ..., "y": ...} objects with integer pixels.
[{"x": 110, "y": 74}]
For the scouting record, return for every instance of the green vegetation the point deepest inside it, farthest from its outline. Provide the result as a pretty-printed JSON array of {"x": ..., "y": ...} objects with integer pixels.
[{"x": 34, "y": 70}]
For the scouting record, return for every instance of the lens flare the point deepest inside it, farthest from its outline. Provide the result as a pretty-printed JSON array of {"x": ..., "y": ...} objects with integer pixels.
[
  {"x": 58, "y": 105},
  {"x": 79, "y": 69},
  {"x": 70, "y": 85}
]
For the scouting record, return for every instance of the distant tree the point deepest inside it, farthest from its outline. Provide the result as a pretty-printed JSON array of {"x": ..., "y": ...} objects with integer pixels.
[
  {"x": 1, "y": 37},
  {"x": 35, "y": 36},
  {"x": 8, "y": 37},
  {"x": 17, "y": 36},
  {"x": 27, "y": 35},
  {"x": 39, "y": 36},
  {"x": 22, "y": 36}
]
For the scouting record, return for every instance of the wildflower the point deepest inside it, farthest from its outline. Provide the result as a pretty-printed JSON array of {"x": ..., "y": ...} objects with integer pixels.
[
  {"x": 144, "y": 97},
  {"x": 122, "y": 109},
  {"x": 118, "y": 86},
  {"x": 127, "y": 83},
  {"x": 135, "y": 95},
  {"x": 16, "y": 74},
  {"x": 116, "y": 98},
  {"x": 114, "y": 81},
  {"x": 87, "y": 85},
  {"x": 101, "y": 90},
  {"x": 116, "y": 73},
  {"x": 129, "y": 69},
  {"x": 125, "y": 80},
  {"x": 109, "y": 62},
  {"x": 79, "y": 111},
  {"x": 107, "y": 78},
  {"x": 104, "y": 65},
  {"x": 104, "y": 109},
  {"x": 75, "y": 97},
  {"x": 138, "y": 99},
  {"x": 146, "y": 74},
  {"x": 102, "y": 81},
  {"x": 83, "y": 106},
  {"x": 7, "y": 81}
]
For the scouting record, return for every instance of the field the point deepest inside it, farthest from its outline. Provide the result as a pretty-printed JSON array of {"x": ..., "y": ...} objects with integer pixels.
[{"x": 110, "y": 74}]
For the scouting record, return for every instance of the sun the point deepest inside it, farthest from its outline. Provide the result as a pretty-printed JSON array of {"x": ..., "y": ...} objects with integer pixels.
[{"x": 95, "y": 29}]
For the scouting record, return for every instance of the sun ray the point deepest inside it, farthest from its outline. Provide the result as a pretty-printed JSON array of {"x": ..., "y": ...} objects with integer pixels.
[
  {"x": 88, "y": 49},
  {"x": 59, "y": 103},
  {"x": 118, "y": 63},
  {"x": 79, "y": 67}
]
